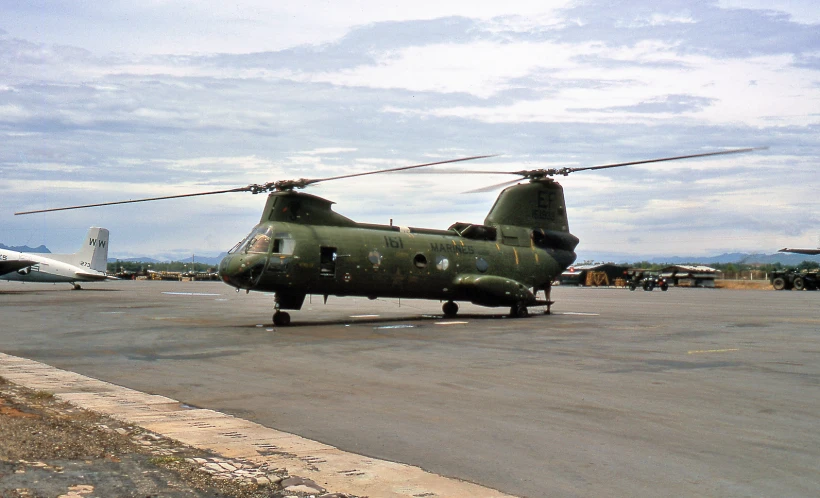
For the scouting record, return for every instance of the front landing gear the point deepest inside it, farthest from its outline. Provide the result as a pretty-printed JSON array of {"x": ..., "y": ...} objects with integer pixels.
[
  {"x": 519, "y": 310},
  {"x": 281, "y": 318},
  {"x": 450, "y": 309}
]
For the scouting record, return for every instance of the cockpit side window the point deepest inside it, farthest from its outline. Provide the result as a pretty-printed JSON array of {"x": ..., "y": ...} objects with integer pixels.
[{"x": 283, "y": 244}]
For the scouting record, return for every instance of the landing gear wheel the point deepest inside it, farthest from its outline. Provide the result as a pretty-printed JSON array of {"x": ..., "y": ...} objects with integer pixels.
[
  {"x": 519, "y": 310},
  {"x": 799, "y": 283},
  {"x": 281, "y": 319},
  {"x": 450, "y": 309},
  {"x": 76, "y": 286},
  {"x": 632, "y": 286},
  {"x": 664, "y": 287},
  {"x": 779, "y": 283}
]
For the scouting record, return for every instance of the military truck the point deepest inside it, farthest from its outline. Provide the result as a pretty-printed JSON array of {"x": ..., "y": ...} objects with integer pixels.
[
  {"x": 644, "y": 278},
  {"x": 791, "y": 279}
]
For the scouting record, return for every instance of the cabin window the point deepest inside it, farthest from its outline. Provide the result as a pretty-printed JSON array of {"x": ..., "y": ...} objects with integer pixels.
[
  {"x": 375, "y": 258},
  {"x": 442, "y": 263},
  {"x": 420, "y": 261},
  {"x": 481, "y": 265},
  {"x": 327, "y": 261}
]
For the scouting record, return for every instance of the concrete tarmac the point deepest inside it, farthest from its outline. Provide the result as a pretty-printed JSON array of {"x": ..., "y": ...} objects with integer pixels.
[{"x": 685, "y": 392}]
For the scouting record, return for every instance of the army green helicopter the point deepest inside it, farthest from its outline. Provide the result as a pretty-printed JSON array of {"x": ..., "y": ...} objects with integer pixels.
[{"x": 302, "y": 247}]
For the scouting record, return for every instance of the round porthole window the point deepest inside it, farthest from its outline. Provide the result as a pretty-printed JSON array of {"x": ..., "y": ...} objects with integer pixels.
[
  {"x": 420, "y": 261},
  {"x": 375, "y": 257},
  {"x": 481, "y": 265},
  {"x": 442, "y": 263}
]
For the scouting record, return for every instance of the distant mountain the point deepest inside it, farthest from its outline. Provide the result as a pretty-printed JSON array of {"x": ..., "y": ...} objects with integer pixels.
[
  {"x": 213, "y": 260},
  {"x": 41, "y": 248},
  {"x": 787, "y": 259}
]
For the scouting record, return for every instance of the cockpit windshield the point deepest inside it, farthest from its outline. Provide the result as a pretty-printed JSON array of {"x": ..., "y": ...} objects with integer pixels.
[
  {"x": 257, "y": 242},
  {"x": 236, "y": 247},
  {"x": 260, "y": 239}
]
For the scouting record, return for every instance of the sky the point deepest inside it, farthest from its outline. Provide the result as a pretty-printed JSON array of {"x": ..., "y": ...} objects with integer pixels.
[{"x": 122, "y": 100}]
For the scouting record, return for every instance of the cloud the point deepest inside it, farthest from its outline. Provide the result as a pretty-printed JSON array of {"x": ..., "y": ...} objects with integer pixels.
[
  {"x": 87, "y": 116},
  {"x": 675, "y": 104}
]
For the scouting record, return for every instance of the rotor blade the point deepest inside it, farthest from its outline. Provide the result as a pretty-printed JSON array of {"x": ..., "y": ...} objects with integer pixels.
[
  {"x": 240, "y": 189},
  {"x": 463, "y": 172},
  {"x": 490, "y": 188},
  {"x": 646, "y": 161},
  {"x": 800, "y": 251},
  {"x": 403, "y": 168}
]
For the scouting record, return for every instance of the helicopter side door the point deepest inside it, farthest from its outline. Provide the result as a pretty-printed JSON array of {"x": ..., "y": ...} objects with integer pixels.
[{"x": 327, "y": 261}]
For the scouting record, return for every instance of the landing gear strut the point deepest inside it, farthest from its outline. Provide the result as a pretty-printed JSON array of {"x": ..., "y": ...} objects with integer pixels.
[
  {"x": 450, "y": 309},
  {"x": 547, "y": 292}
]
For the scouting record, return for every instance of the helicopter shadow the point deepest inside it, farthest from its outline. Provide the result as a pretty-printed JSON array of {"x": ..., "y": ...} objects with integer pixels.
[{"x": 424, "y": 319}]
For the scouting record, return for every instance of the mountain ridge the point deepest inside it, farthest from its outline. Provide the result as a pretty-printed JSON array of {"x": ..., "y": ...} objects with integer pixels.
[{"x": 787, "y": 259}]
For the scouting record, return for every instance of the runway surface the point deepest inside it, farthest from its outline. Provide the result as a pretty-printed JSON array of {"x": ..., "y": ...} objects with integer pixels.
[{"x": 686, "y": 392}]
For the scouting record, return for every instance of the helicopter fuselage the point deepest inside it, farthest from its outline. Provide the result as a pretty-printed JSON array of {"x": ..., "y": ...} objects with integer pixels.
[{"x": 302, "y": 247}]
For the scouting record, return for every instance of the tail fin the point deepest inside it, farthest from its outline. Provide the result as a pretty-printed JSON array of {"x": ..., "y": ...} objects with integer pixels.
[
  {"x": 93, "y": 252},
  {"x": 534, "y": 213},
  {"x": 95, "y": 249},
  {"x": 535, "y": 204}
]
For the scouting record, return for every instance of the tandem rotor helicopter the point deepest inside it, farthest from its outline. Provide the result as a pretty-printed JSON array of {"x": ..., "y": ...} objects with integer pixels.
[{"x": 302, "y": 247}]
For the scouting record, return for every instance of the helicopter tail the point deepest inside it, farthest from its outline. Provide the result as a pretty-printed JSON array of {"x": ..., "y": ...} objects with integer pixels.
[
  {"x": 535, "y": 213},
  {"x": 537, "y": 206},
  {"x": 534, "y": 204}
]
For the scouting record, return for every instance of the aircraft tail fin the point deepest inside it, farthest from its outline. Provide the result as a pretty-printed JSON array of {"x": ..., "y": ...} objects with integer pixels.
[
  {"x": 93, "y": 252},
  {"x": 95, "y": 249}
]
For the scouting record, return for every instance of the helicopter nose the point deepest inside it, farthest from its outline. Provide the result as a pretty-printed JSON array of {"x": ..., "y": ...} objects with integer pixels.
[
  {"x": 225, "y": 269},
  {"x": 241, "y": 271}
]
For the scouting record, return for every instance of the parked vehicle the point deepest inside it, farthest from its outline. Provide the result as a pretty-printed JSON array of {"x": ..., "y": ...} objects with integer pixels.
[
  {"x": 648, "y": 280},
  {"x": 791, "y": 279}
]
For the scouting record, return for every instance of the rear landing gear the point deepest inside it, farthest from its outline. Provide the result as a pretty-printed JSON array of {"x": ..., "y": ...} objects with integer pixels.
[
  {"x": 76, "y": 286},
  {"x": 450, "y": 309},
  {"x": 281, "y": 318}
]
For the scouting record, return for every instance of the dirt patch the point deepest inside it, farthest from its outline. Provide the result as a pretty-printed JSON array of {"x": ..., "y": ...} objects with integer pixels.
[
  {"x": 743, "y": 284},
  {"x": 53, "y": 449}
]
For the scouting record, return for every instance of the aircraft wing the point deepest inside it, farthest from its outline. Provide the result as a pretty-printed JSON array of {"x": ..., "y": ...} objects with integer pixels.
[
  {"x": 800, "y": 251},
  {"x": 8, "y": 266}
]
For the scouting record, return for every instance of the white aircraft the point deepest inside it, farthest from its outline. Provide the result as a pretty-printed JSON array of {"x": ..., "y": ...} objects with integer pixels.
[{"x": 89, "y": 264}]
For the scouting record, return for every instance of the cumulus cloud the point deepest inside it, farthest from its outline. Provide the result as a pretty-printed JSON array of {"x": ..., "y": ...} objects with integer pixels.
[{"x": 111, "y": 103}]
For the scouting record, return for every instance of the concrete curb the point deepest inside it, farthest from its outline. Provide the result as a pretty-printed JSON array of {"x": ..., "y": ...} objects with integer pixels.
[{"x": 237, "y": 440}]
